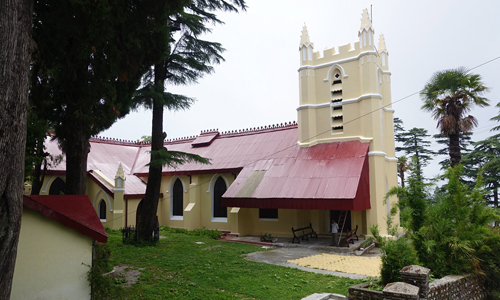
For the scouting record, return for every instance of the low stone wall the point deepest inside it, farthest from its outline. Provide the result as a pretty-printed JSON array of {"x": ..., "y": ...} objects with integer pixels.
[
  {"x": 361, "y": 292},
  {"x": 457, "y": 287},
  {"x": 416, "y": 286}
]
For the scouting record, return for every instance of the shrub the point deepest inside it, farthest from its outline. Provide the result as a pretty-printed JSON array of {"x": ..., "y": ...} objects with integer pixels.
[
  {"x": 102, "y": 287},
  {"x": 489, "y": 254},
  {"x": 396, "y": 254},
  {"x": 456, "y": 226}
]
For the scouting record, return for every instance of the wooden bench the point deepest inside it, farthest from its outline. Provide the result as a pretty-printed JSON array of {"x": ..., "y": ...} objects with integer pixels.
[
  {"x": 350, "y": 236},
  {"x": 303, "y": 233}
]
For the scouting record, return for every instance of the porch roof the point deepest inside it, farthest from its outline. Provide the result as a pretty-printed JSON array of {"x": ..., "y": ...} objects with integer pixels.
[
  {"x": 74, "y": 211},
  {"x": 326, "y": 176}
]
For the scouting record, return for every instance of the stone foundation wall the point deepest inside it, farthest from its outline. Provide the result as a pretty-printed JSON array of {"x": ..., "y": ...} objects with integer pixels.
[
  {"x": 417, "y": 286},
  {"x": 457, "y": 287},
  {"x": 361, "y": 292}
]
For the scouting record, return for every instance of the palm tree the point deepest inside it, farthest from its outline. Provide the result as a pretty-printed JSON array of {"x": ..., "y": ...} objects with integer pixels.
[
  {"x": 402, "y": 168},
  {"x": 449, "y": 96}
]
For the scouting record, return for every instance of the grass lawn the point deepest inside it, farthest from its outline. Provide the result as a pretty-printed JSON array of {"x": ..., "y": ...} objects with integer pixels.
[{"x": 178, "y": 268}]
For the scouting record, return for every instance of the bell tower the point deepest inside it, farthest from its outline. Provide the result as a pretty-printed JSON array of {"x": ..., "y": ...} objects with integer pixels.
[{"x": 345, "y": 95}]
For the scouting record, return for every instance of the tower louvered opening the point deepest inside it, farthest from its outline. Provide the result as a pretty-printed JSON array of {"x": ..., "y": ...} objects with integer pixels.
[{"x": 336, "y": 103}]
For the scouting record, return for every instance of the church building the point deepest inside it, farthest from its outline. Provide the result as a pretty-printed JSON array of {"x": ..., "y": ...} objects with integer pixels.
[{"x": 337, "y": 161}]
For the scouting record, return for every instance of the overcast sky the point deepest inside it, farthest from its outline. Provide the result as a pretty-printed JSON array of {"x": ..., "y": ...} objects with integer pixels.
[{"x": 257, "y": 85}]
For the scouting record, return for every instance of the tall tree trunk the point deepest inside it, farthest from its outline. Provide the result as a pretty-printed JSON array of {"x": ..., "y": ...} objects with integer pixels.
[
  {"x": 495, "y": 198},
  {"x": 77, "y": 150},
  {"x": 402, "y": 176},
  {"x": 15, "y": 40},
  {"x": 146, "y": 216},
  {"x": 454, "y": 150}
]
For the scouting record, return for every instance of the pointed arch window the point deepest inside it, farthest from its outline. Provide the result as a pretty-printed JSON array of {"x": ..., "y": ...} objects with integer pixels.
[
  {"x": 102, "y": 210},
  {"x": 177, "y": 200},
  {"x": 58, "y": 187},
  {"x": 219, "y": 212}
]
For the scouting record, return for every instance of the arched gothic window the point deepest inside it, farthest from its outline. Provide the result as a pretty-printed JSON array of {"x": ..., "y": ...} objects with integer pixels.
[
  {"x": 102, "y": 209},
  {"x": 219, "y": 211},
  {"x": 58, "y": 187},
  {"x": 177, "y": 206}
]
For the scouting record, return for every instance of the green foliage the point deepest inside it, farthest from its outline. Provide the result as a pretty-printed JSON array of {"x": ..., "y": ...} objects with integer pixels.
[
  {"x": 455, "y": 227},
  {"x": 183, "y": 58},
  {"x": 465, "y": 147},
  {"x": 489, "y": 256},
  {"x": 449, "y": 96},
  {"x": 496, "y": 119},
  {"x": 486, "y": 158},
  {"x": 415, "y": 143},
  {"x": 366, "y": 242},
  {"x": 214, "y": 234},
  {"x": 163, "y": 157},
  {"x": 179, "y": 268},
  {"x": 145, "y": 139},
  {"x": 413, "y": 200},
  {"x": 103, "y": 287},
  {"x": 396, "y": 252}
]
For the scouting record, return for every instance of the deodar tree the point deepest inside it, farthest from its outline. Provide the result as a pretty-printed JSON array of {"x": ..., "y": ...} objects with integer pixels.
[
  {"x": 88, "y": 61},
  {"x": 449, "y": 96},
  {"x": 15, "y": 43},
  {"x": 186, "y": 59}
]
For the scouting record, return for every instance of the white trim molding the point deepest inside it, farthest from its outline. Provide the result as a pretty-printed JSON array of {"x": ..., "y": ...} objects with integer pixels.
[
  {"x": 105, "y": 195},
  {"x": 341, "y": 61},
  {"x": 391, "y": 159},
  {"x": 212, "y": 182},
  {"x": 377, "y": 153},
  {"x": 362, "y": 97},
  {"x": 322, "y": 105},
  {"x": 391, "y": 110},
  {"x": 172, "y": 181},
  {"x": 362, "y": 139},
  {"x": 330, "y": 71},
  {"x": 211, "y": 185}
]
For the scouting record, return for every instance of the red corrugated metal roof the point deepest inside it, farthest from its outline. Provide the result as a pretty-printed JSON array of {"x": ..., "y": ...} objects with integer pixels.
[
  {"x": 204, "y": 139},
  {"x": 74, "y": 211},
  {"x": 335, "y": 171},
  {"x": 331, "y": 171},
  {"x": 106, "y": 156}
]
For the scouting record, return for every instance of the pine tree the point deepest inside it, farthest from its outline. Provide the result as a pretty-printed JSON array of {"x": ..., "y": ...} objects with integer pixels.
[
  {"x": 188, "y": 59},
  {"x": 414, "y": 143},
  {"x": 486, "y": 157},
  {"x": 89, "y": 59}
]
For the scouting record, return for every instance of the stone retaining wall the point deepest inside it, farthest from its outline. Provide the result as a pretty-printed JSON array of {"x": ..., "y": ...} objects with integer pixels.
[
  {"x": 416, "y": 286},
  {"x": 457, "y": 287}
]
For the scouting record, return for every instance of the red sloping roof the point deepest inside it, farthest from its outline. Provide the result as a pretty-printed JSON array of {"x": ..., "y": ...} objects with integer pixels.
[
  {"x": 106, "y": 156},
  {"x": 227, "y": 153},
  {"x": 325, "y": 176},
  {"x": 74, "y": 211},
  {"x": 204, "y": 139}
]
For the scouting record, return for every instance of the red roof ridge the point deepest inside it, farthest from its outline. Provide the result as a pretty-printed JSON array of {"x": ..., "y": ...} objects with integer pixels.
[
  {"x": 273, "y": 127},
  {"x": 81, "y": 216},
  {"x": 181, "y": 139},
  {"x": 108, "y": 140}
]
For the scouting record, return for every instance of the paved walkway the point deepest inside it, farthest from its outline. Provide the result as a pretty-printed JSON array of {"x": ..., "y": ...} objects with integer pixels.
[{"x": 315, "y": 249}]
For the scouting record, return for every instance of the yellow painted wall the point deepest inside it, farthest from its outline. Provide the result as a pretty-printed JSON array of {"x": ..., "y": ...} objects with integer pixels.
[
  {"x": 52, "y": 260},
  {"x": 365, "y": 107},
  {"x": 198, "y": 191}
]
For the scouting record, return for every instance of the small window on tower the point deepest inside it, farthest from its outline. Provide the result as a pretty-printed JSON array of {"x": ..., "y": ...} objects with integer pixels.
[{"x": 337, "y": 75}]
